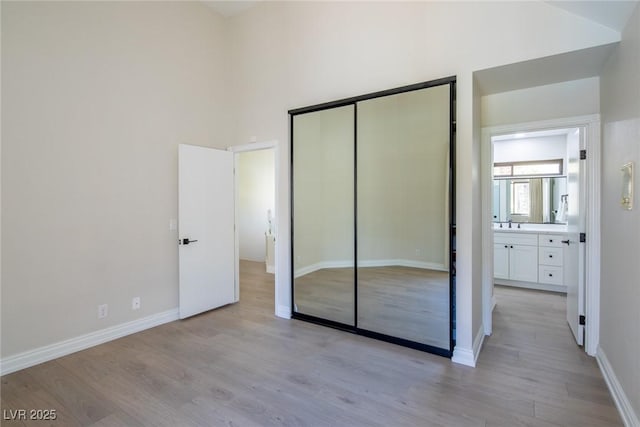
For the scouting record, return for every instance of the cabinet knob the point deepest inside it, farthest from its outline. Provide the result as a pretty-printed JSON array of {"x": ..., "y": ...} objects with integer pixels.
[
  {"x": 550, "y": 256},
  {"x": 506, "y": 247},
  {"x": 550, "y": 240},
  {"x": 550, "y": 275}
]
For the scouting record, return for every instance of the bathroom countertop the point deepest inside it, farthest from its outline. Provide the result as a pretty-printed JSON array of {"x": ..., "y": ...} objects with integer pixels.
[{"x": 531, "y": 229}]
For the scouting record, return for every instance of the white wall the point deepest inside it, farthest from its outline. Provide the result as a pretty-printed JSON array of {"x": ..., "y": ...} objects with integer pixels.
[
  {"x": 96, "y": 98},
  {"x": 567, "y": 99},
  {"x": 311, "y": 52},
  {"x": 255, "y": 175},
  {"x": 531, "y": 149},
  {"x": 620, "y": 289}
]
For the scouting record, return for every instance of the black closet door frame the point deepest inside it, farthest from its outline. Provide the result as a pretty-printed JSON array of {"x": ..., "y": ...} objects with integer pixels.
[{"x": 451, "y": 81}]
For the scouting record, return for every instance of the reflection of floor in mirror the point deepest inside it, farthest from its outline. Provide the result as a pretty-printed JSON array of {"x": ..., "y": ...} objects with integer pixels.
[
  {"x": 327, "y": 293},
  {"x": 403, "y": 302}
]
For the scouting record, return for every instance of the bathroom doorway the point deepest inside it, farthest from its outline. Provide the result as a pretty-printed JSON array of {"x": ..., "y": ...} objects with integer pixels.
[{"x": 537, "y": 180}]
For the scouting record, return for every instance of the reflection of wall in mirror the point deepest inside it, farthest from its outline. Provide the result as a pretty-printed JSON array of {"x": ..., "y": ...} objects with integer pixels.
[
  {"x": 403, "y": 149},
  {"x": 323, "y": 190}
]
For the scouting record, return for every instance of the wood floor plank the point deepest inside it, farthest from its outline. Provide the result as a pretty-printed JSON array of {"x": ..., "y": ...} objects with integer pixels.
[{"x": 241, "y": 366}]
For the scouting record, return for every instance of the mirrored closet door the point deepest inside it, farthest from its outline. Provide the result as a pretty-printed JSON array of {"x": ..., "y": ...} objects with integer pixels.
[
  {"x": 372, "y": 215},
  {"x": 323, "y": 214},
  {"x": 403, "y": 215}
]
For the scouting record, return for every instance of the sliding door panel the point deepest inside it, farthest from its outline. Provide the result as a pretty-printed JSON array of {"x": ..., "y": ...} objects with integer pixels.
[
  {"x": 403, "y": 218},
  {"x": 323, "y": 214}
]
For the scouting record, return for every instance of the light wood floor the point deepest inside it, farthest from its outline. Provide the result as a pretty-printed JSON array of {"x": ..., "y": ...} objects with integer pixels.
[
  {"x": 403, "y": 302},
  {"x": 241, "y": 366}
]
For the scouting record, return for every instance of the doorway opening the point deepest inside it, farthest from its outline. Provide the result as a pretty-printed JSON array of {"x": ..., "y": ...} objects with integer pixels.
[
  {"x": 541, "y": 201},
  {"x": 255, "y": 230}
]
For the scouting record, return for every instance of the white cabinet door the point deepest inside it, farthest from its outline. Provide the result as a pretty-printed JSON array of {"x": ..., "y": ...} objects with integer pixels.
[
  {"x": 523, "y": 263},
  {"x": 501, "y": 261}
]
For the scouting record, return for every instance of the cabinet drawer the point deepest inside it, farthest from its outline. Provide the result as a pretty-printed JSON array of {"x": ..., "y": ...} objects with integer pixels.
[
  {"x": 552, "y": 240},
  {"x": 515, "y": 239},
  {"x": 550, "y": 256},
  {"x": 550, "y": 274}
]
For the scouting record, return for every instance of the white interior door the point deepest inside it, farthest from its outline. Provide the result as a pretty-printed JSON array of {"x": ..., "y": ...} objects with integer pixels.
[
  {"x": 574, "y": 250},
  {"x": 206, "y": 229}
]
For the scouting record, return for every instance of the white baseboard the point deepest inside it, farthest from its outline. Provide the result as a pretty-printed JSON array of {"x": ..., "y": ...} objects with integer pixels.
[
  {"x": 283, "y": 311},
  {"x": 321, "y": 265},
  {"x": 403, "y": 263},
  {"x": 463, "y": 356},
  {"x": 469, "y": 356},
  {"x": 63, "y": 348},
  {"x": 628, "y": 415},
  {"x": 271, "y": 269}
]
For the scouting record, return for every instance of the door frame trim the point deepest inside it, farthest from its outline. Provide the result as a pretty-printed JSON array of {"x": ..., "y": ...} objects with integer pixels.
[
  {"x": 591, "y": 123},
  {"x": 245, "y": 148}
]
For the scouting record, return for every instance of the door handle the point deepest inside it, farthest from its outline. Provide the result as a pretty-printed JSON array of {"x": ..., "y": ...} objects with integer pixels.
[
  {"x": 187, "y": 241},
  {"x": 566, "y": 241}
]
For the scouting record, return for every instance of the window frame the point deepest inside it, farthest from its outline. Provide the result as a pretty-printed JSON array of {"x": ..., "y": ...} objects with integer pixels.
[{"x": 512, "y": 165}]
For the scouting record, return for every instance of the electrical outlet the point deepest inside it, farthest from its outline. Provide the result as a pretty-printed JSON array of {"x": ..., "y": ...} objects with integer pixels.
[
  {"x": 135, "y": 303},
  {"x": 103, "y": 311}
]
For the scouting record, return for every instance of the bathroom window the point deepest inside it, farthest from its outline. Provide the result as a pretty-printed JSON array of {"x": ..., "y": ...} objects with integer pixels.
[
  {"x": 534, "y": 168},
  {"x": 520, "y": 200}
]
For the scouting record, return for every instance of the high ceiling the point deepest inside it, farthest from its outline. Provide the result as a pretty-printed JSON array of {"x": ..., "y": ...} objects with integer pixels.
[{"x": 610, "y": 13}]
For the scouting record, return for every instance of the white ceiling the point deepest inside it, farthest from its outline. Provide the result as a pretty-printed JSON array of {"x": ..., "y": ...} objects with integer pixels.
[{"x": 610, "y": 13}]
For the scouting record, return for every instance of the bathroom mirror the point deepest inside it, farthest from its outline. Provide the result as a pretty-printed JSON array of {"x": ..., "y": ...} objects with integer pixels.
[
  {"x": 533, "y": 200},
  {"x": 323, "y": 214}
]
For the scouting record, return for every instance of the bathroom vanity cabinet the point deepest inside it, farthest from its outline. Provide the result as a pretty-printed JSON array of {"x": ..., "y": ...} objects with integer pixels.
[{"x": 529, "y": 259}]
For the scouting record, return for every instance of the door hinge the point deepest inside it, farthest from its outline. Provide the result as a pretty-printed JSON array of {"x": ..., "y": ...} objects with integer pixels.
[
  {"x": 582, "y": 320},
  {"x": 583, "y": 237},
  {"x": 583, "y": 154}
]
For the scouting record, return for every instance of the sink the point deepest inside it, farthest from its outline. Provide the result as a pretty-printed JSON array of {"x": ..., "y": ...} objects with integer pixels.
[{"x": 524, "y": 227}]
